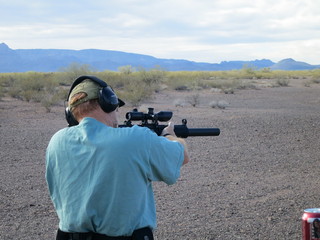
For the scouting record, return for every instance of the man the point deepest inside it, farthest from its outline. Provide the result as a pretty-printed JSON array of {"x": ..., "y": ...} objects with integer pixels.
[{"x": 100, "y": 176}]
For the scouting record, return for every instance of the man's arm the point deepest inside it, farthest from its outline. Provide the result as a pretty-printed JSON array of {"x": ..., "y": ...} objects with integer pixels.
[{"x": 169, "y": 133}]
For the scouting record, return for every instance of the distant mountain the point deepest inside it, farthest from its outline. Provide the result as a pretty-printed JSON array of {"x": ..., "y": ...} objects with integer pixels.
[
  {"x": 51, "y": 60},
  {"x": 290, "y": 64}
]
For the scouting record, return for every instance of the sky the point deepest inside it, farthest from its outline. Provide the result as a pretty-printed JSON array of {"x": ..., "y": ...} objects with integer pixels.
[{"x": 196, "y": 30}]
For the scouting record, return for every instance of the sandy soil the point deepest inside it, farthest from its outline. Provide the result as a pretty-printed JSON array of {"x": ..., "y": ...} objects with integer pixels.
[{"x": 251, "y": 182}]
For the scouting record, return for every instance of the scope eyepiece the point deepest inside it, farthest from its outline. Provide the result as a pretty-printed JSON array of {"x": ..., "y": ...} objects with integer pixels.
[{"x": 134, "y": 116}]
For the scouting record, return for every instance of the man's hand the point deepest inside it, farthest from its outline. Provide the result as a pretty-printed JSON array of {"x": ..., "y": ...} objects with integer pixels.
[{"x": 169, "y": 130}]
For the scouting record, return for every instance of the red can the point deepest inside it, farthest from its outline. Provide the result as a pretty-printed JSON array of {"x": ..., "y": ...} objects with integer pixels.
[{"x": 311, "y": 224}]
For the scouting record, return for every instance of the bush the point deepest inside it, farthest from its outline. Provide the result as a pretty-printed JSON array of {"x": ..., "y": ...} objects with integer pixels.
[
  {"x": 218, "y": 104},
  {"x": 27, "y": 86},
  {"x": 282, "y": 82},
  {"x": 1, "y": 92},
  {"x": 152, "y": 78},
  {"x": 50, "y": 100},
  {"x": 315, "y": 76},
  {"x": 178, "y": 103},
  {"x": 126, "y": 69},
  {"x": 194, "y": 100},
  {"x": 73, "y": 71},
  {"x": 135, "y": 91}
]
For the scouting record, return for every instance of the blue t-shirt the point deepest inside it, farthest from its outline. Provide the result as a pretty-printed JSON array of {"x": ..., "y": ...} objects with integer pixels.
[{"x": 100, "y": 178}]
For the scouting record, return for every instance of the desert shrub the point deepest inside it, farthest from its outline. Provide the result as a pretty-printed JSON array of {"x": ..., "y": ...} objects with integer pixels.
[
  {"x": 135, "y": 91},
  {"x": 213, "y": 104},
  {"x": 265, "y": 73},
  {"x": 181, "y": 88},
  {"x": 27, "y": 86},
  {"x": 228, "y": 86},
  {"x": 178, "y": 103},
  {"x": 140, "y": 85},
  {"x": 228, "y": 90},
  {"x": 74, "y": 70},
  {"x": 224, "y": 80},
  {"x": 224, "y": 84},
  {"x": 50, "y": 100},
  {"x": 180, "y": 81},
  {"x": 35, "y": 87},
  {"x": 126, "y": 69},
  {"x": 113, "y": 79},
  {"x": 282, "y": 82},
  {"x": 152, "y": 78},
  {"x": 2, "y": 93},
  {"x": 194, "y": 99},
  {"x": 3, "y": 85},
  {"x": 315, "y": 76},
  {"x": 316, "y": 80},
  {"x": 307, "y": 83},
  {"x": 247, "y": 72},
  {"x": 218, "y": 104}
]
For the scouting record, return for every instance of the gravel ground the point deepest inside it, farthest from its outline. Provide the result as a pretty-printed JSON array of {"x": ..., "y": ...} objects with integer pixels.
[{"x": 251, "y": 182}]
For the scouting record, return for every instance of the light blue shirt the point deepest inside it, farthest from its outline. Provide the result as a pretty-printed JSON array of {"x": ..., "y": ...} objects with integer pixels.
[{"x": 100, "y": 178}]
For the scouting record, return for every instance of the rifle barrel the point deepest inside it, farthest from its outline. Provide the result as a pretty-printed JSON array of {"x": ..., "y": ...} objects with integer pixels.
[
  {"x": 193, "y": 132},
  {"x": 183, "y": 131}
]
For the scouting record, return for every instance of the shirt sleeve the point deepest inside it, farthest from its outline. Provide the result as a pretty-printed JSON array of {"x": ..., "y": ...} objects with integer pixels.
[{"x": 166, "y": 158}]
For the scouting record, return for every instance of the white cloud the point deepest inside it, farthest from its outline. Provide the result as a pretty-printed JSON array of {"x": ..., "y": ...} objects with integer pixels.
[{"x": 207, "y": 30}]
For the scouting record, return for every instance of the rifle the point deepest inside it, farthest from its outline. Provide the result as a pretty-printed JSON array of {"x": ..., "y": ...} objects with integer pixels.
[{"x": 151, "y": 120}]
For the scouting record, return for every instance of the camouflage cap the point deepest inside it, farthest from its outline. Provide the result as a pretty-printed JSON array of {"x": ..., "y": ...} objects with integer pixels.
[{"x": 87, "y": 86}]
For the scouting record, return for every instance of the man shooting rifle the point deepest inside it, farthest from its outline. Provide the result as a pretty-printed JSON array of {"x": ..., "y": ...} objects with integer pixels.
[{"x": 100, "y": 176}]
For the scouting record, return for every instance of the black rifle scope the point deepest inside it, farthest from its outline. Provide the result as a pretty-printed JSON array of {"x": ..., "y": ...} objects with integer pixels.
[{"x": 162, "y": 116}]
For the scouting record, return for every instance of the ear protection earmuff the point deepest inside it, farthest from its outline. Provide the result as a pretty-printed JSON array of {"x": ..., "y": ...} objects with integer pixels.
[{"x": 107, "y": 99}]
